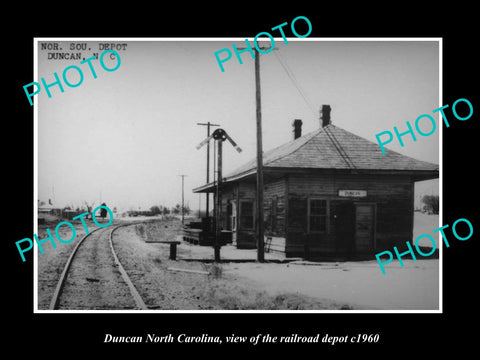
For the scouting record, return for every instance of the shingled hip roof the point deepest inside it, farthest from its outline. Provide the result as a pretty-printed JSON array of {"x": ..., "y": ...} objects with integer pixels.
[{"x": 333, "y": 148}]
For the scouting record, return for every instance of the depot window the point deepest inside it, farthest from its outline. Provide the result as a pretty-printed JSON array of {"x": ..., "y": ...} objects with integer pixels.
[{"x": 317, "y": 215}]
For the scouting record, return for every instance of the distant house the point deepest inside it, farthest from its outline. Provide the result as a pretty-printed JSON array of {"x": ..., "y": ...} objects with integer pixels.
[
  {"x": 45, "y": 209},
  {"x": 48, "y": 209},
  {"x": 329, "y": 193}
]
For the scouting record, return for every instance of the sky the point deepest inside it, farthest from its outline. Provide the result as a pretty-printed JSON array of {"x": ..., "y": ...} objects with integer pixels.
[{"x": 125, "y": 137}]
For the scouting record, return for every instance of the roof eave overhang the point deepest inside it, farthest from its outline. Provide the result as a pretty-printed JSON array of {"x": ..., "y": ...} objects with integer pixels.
[
  {"x": 210, "y": 187},
  {"x": 416, "y": 175}
]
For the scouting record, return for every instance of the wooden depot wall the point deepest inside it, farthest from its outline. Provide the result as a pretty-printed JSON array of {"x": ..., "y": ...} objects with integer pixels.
[
  {"x": 390, "y": 195},
  {"x": 286, "y": 211}
]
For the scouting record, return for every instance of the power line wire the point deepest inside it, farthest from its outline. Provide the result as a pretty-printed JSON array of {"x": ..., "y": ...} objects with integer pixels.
[
  {"x": 340, "y": 149},
  {"x": 343, "y": 154},
  {"x": 295, "y": 82}
]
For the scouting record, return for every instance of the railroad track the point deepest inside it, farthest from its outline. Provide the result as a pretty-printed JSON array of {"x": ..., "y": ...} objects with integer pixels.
[{"x": 93, "y": 277}]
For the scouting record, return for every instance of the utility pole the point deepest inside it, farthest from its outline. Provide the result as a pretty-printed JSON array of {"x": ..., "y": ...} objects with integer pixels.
[
  {"x": 260, "y": 230},
  {"x": 183, "y": 206},
  {"x": 218, "y": 205},
  {"x": 259, "y": 195},
  {"x": 208, "y": 124}
]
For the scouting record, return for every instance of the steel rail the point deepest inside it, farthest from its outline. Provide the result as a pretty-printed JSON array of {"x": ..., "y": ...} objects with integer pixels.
[
  {"x": 63, "y": 276},
  {"x": 61, "y": 282},
  {"x": 138, "y": 299}
]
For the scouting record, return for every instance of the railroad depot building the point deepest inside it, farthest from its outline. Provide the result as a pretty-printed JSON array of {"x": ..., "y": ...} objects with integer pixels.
[{"x": 327, "y": 194}]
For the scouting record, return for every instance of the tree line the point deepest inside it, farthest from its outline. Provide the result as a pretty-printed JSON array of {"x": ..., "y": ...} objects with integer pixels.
[{"x": 162, "y": 210}]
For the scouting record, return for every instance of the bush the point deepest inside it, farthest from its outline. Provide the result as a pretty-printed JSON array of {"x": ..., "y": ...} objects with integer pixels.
[
  {"x": 431, "y": 203},
  {"x": 140, "y": 230}
]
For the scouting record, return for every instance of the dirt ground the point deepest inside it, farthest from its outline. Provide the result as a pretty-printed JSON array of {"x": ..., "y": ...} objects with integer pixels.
[
  {"x": 245, "y": 284},
  {"x": 356, "y": 285},
  {"x": 207, "y": 288},
  {"x": 361, "y": 285}
]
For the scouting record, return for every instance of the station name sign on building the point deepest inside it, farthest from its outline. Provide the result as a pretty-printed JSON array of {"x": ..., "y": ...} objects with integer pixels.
[{"x": 352, "y": 193}]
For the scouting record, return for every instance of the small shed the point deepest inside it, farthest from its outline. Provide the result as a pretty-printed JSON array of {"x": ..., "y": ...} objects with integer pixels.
[
  {"x": 329, "y": 193},
  {"x": 69, "y": 214}
]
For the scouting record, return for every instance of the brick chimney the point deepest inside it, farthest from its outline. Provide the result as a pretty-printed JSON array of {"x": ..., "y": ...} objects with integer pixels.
[
  {"x": 325, "y": 115},
  {"x": 297, "y": 128}
]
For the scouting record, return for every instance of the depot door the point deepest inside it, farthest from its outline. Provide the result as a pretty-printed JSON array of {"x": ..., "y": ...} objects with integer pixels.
[
  {"x": 344, "y": 217},
  {"x": 364, "y": 227}
]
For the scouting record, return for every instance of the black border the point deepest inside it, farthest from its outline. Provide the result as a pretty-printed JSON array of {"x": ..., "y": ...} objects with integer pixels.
[{"x": 81, "y": 333}]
